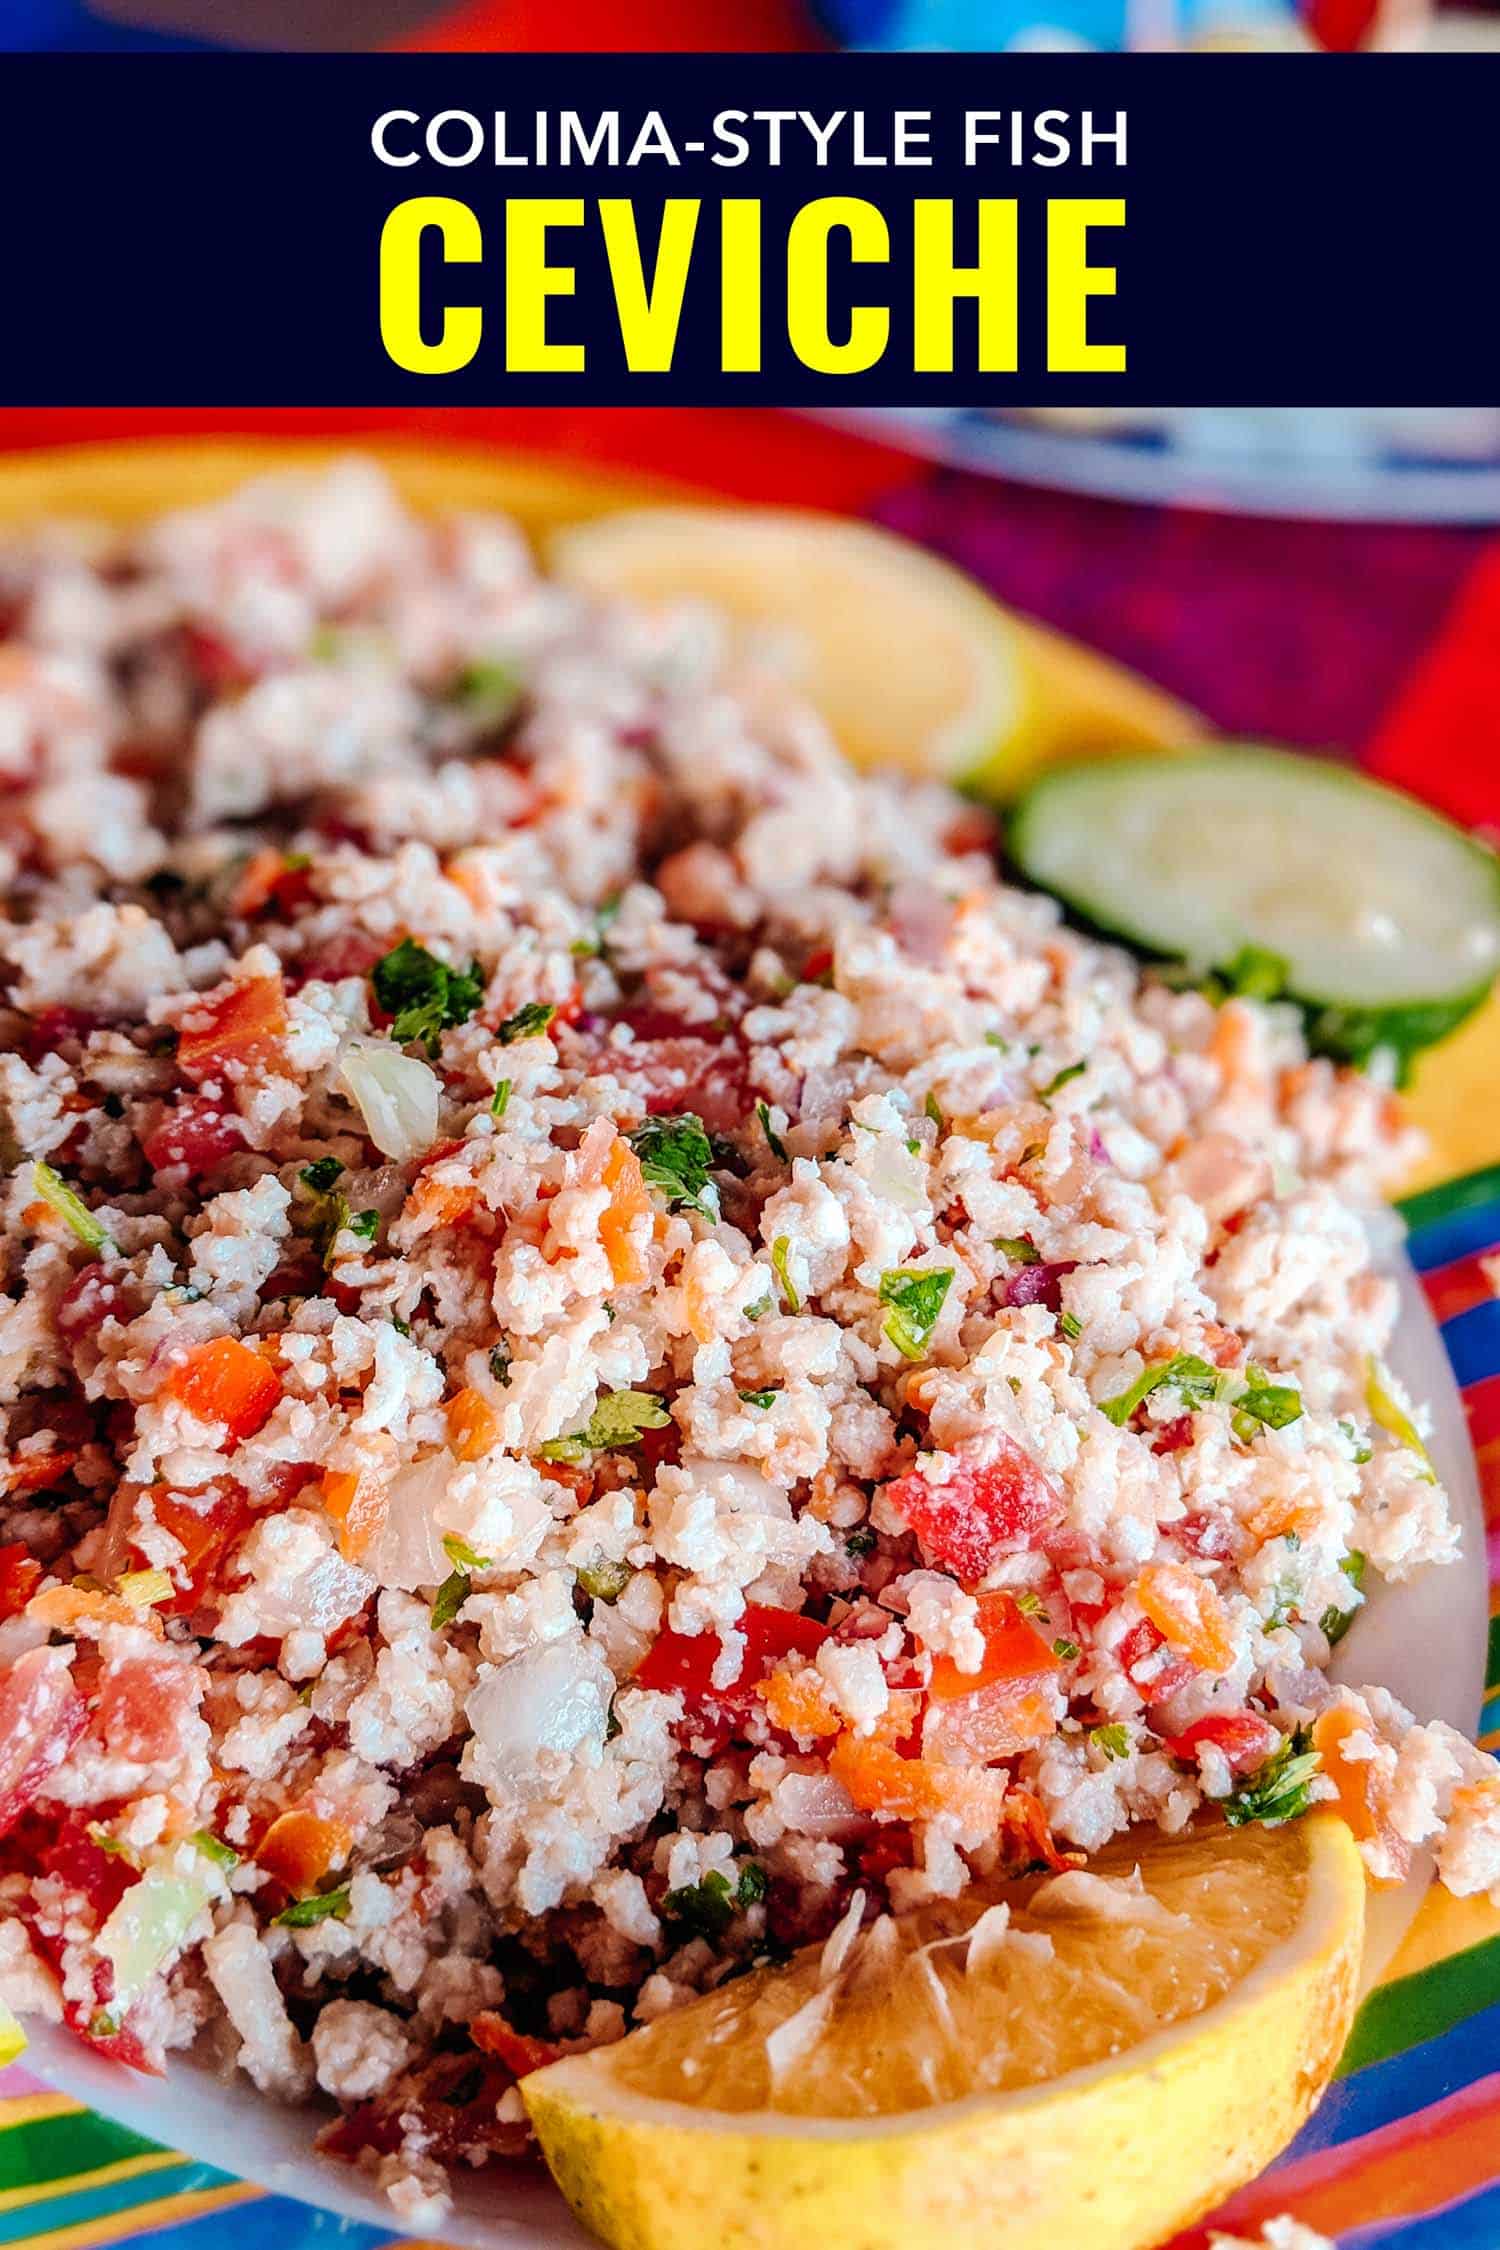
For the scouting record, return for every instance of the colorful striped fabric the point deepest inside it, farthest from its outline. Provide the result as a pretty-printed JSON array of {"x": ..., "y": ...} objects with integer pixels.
[{"x": 1404, "y": 2150}]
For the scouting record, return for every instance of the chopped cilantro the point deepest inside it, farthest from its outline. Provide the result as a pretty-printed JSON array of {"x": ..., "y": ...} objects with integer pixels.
[
  {"x": 213, "y": 1847},
  {"x": 1360, "y": 1451},
  {"x": 304, "y": 1912},
  {"x": 1055, "y": 1085},
  {"x": 860, "y": 1542},
  {"x": 759, "y": 1398},
  {"x": 759, "y": 1309},
  {"x": 1019, "y": 1251},
  {"x": 752, "y": 1884},
  {"x": 59, "y": 1197},
  {"x": 102, "y": 1841},
  {"x": 422, "y": 995},
  {"x": 500, "y": 1099},
  {"x": 774, "y": 1141},
  {"x": 364, "y": 1225},
  {"x": 676, "y": 1159},
  {"x": 1195, "y": 1382},
  {"x": 461, "y": 1554},
  {"x": 1071, "y": 1326},
  {"x": 528, "y": 1022},
  {"x": 1273, "y": 1404},
  {"x": 915, "y": 1299},
  {"x": 1335, "y": 1622},
  {"x": 1113, "y": 1740},
  {"x": 1067, "y": 1651},
  {"x": 1028, "y": 1603},
  {"x": 620, "y": 1418},
  {"x": 603, "y": 1580},
  {"x": 705, "y": 1909},
  {"x": 451, "y": 1596},
  {"x": 996, "y": 1039},
  {"x": 320, "y": 1175},
  {"x": 402, "y": 1327},
  {"x": 933, "y": 1108},
  {"x": 781, "y": 1251},
  {"x": 1256, "y": 974},
  {"x": 489, "y": 690},
  {"x": 1279, "y": 1791}
]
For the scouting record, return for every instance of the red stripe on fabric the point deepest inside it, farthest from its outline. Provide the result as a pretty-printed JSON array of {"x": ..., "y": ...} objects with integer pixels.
[
  {"x": 606, "y": 27},
  {"x": 744, "y": 452},
  {"x": 1416, "y": 2165},
  {"x": 1439, "y": 738},
  {"x": 1459, "y": 1287},
  {"x": 1482, "y": 1405},
  {"x": 1487, "y": 1462}
]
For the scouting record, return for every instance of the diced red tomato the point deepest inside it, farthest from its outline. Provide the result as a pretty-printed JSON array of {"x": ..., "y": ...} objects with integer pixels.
[
  {"x": 38, "y": 1472},
  {"x": 453, "y": 2100},
  {"x": 41, "y": 1717},
  {"x": 20, "y": 1576},
  {"x": 1174, "y": 1436},
  {"x": 516, "y": 2049},
  {"x": 71, "y": 1853},
  {"x": 196, "y": 1132},
  {"x": 676, "y": 1065},
  {"x": 1143, "y": 1641},
  {"x": 224, "y": 1381},
  {"x": 975, "y": 1717},
  {"x": 121, "y": 2046},
  {"x": 985, "y": 1510},
  {"x": 684, "y": 1662},
  {"x": 881, "y": 1780},
  {"x": 1245, "y": 1738},
  {"x": 93, "y": 1297},
  {"x": 142, "y": 1706},
  {"x": 216, "y": 663},
  {"x": 54, "y": 1027},
  {"x": 1027, "y": 1832},
  {"x": 353, "y": 954},
  {"x": 269, "y": 880},
  {"x": 206, "y": 1535},
  {"x": 232, "y": 1029}
]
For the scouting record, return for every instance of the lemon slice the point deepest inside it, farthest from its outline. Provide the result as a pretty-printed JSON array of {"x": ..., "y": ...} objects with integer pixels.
[
  {"x": 12, "y": 2037},
  {"x": 909, "y": 660},
  {"x": 1096, "y": 2058}
]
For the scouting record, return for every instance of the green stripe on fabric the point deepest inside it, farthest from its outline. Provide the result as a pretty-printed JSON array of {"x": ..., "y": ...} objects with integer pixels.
[
  {"x": 1420, "y": 2007},
  {"x": 1492, "y": 1670},
  {"x": 1436, "y": 1203},
  {"x": 59, "y": 2148},
  {"x": 86, "y": 2204}
]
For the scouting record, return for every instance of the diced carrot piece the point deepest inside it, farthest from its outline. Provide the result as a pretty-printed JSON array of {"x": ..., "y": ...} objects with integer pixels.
[
  {"x": 1028, "y": 1832},
  {"x": 1355, "y": 1781},
  {"x": 225, "y": 1381},
  {"x": 1279, "y": 1515},
  {"x": 795, "y": 1702},
  {"x": 62, "y": 1609},
  {"x": 1187, "y": 1613},
  {"x": 880, "y": 1780},
  {"x": 232, "y": 1028},
  {"x": 473, "y": 1426},
  {"x": 358, "y": 1507},
  {"x": 519, "y": 2052},
  {"x": 620, "y": 1228},
  {"x": 300, "y": 1847},
  {"x": 1015, "y": 1654}
]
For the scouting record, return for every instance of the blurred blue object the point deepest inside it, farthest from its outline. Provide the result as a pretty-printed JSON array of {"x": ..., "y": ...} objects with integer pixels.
[
  {"x": 41, "y": 27},
  {"x": 992, "y": 26}
]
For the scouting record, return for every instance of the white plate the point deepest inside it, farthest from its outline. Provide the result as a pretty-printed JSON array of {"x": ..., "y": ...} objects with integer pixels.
[{"x": 1424, "y": 1641}]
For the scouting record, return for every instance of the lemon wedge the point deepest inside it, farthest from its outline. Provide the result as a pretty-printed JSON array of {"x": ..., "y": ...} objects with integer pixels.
[
  {"x": 910, "y": 661},
  {"x": 1096, "y": 2058},
  {"x": 12, "y": 2037}
]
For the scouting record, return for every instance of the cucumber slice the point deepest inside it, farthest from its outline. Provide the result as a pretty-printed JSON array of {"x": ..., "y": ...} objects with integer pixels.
[{"x": 1380, "y": 917}]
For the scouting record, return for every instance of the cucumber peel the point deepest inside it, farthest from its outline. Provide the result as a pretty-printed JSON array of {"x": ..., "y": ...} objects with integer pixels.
[{"x": 1280, "y": 876}]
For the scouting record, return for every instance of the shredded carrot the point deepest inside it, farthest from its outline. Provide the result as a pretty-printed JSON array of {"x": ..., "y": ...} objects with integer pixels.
[
  {"x": 300, "y": 1847},
  {"x": 1353, "y": 1778},
  {"x": 63, "y": 1609},
  {"x": 880, "y": 1780},
  {"x": 1187, "y": 1613},
  {"x": 473, "y": 1426},
  {"x": 225, "y": 1381},
  {"x": 621, "y": 1228},
  {"x": 795, "y": 1702},
  {"x": 358, "y": 1507}
]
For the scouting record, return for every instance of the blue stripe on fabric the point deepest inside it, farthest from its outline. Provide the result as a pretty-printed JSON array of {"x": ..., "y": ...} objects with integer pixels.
[
  {"x": 49, "y": 2213},
  {"x": 1471, "y": 2225},
  {"x": 1385, "y": 2092},
  {"x": 1473, "y": 1343},
  {"x": 272, "y": 2222},
  {"x": 1456, "y": 1237}
]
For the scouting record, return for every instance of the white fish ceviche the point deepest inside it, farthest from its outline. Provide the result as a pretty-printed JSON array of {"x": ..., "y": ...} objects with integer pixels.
[{"x": 609, "y": 1340}]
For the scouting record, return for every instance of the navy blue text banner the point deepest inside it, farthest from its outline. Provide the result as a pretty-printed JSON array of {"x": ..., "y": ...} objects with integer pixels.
[{"x": 1080, "y": 230}]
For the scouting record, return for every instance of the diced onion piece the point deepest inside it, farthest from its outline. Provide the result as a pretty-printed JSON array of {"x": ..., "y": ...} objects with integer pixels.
[
  {"x": 149, "y": 1925},
  {"x": 396, "y": 1094},
  {"x": 553, "y": 1698}
]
